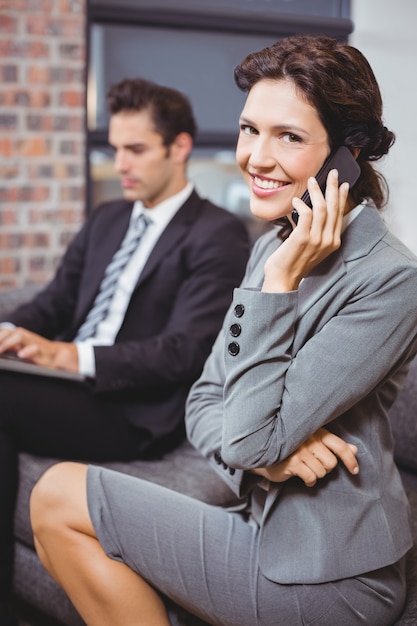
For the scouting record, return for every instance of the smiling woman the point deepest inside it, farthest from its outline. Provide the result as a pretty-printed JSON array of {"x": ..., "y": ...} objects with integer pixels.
[{"x": 290, "y": 409}]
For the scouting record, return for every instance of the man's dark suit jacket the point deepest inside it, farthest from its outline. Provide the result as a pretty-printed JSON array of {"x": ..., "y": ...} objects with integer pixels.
[{"x": 173, "y": 317}]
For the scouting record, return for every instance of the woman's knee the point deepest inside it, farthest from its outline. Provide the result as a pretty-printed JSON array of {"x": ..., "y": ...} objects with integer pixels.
[{"x": 58, "y": 497}]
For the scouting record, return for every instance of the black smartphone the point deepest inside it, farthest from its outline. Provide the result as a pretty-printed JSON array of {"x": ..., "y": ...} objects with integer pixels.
[{"x": 341, "y": 159}]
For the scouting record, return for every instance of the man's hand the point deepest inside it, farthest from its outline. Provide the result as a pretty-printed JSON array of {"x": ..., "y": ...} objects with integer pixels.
[
  {"x": 314, "y": 459},
  {"x": 36, "y": 349}
]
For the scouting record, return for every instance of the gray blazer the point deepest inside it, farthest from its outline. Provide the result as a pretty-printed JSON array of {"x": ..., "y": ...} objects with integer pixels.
[{"x": 335, "y": 354}]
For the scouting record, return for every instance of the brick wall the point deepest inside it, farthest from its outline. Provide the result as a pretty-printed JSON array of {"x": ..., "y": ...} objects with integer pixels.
[{"x": 42, "y": 171}]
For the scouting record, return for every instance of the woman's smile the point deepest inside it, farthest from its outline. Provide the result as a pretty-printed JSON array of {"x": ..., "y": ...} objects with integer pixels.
[{"x": 264, "y": 187}]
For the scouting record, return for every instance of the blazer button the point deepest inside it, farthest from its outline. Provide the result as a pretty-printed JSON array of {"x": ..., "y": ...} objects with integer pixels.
[
  {"x": 233, "y": 348},
  {"x": 235, "y": 330},
  {"x": 231, "y": 471},
  {"x": 218, "y": 458},
  {"x": 239, "y": 310}
]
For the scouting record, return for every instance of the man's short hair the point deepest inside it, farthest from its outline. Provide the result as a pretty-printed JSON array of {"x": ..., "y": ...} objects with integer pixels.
[{"x": 170, "y": 109}]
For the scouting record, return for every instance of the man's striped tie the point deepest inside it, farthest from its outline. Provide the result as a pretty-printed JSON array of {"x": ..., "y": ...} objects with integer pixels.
[{"x": 111, "y": 276}]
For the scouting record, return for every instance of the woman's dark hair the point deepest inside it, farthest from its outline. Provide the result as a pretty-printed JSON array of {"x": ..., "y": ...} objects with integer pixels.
[
  {"x": 170, "y": 109},
  {"x": 338, "y": 82}
]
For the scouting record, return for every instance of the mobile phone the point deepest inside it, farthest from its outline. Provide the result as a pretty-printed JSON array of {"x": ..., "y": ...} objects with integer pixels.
[{"x": 341, "y": 159}]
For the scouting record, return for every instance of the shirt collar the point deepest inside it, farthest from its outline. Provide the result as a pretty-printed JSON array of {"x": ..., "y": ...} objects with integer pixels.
[
  {"x": 349, "y": 217},
  {"x": 163, "y": 212}
]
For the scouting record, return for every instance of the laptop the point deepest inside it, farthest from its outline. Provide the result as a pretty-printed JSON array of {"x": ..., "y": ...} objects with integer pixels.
[{"x": 12, "y": 363}]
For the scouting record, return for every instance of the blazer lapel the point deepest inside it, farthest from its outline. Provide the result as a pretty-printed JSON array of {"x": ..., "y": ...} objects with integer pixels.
[
  {"x": 358, "y": 240},
  {"x": 177, "y": 228},
  {"x": 105, "y": 244}
]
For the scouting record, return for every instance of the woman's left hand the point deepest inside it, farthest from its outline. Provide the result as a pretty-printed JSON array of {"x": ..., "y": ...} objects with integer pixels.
[
  {"x": 314, "y": 459},
  {"x": 315, "y": 237}
]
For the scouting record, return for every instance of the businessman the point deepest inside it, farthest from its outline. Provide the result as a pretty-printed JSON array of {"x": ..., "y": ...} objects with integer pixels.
[{"x": 134, "y": 308}]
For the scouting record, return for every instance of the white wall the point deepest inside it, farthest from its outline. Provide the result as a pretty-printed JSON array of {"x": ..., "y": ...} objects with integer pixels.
[{"x": 385, "y": 32}]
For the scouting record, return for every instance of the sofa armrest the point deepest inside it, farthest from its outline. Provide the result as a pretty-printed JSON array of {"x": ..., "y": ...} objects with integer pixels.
[{"x": 12, "y": 298}]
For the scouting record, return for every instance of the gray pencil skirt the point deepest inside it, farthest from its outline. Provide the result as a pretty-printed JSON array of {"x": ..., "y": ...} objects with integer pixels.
[{"x": 205, "y": 559}]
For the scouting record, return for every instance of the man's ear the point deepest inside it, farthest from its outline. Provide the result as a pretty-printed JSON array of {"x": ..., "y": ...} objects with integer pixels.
[
  {"x": 181, "y": 147},
  {"x": 356, "y": 152}
]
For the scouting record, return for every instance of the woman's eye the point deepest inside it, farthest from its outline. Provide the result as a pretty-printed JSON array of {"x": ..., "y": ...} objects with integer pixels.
[
  {"x": 248, "y": 130},
  {"x": 291, "y": 138}
]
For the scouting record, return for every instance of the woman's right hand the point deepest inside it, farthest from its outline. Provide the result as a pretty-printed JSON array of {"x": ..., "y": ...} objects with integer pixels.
[
  {"x": 315, "y": 237},
  {"x": 314, "y": 459}
]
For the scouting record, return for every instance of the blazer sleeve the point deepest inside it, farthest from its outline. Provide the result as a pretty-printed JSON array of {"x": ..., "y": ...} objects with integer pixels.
[{"x": 204, "y": 408}]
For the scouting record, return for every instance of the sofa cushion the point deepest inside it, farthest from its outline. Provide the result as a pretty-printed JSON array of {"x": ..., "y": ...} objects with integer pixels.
[
  {"x": 408, "y": 617},
  {"x": 403, "y": 416}
]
